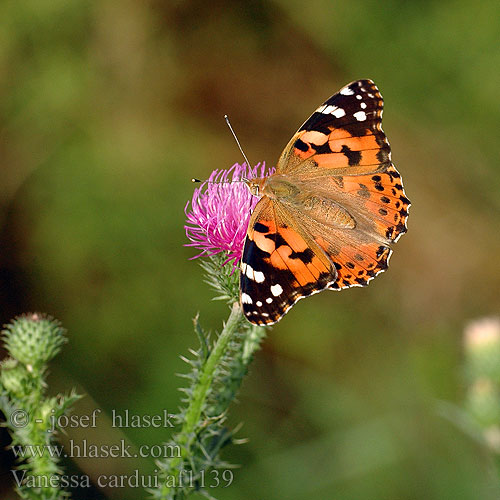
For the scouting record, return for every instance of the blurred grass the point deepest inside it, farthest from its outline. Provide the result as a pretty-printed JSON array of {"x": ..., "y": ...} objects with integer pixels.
[{"x": 108, "y": 109}]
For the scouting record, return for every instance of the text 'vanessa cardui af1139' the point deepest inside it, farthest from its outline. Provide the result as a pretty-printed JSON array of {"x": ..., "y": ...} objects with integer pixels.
[{"x": 328, "y": 214}]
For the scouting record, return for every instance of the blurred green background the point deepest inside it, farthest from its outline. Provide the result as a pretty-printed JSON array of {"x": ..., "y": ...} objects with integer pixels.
[{"x": 108, "y": 109}]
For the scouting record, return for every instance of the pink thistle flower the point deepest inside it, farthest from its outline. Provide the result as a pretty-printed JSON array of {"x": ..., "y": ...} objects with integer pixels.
[{"x": 220, "y": 212}]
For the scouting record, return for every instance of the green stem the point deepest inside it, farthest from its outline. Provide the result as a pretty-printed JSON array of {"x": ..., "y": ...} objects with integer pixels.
[{"x": 200, "y": 392}]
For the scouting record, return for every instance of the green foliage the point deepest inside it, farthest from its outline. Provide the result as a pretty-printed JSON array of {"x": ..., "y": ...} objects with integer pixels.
[
  {"x": 222, "y": 279},
  {"x": 32, "y": 340}
]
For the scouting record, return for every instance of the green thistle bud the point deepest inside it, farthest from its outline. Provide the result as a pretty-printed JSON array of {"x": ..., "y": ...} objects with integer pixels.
[{"x": 33, "y": 339}]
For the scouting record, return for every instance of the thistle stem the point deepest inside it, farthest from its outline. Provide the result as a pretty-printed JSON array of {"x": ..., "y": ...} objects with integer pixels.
[{"x": 193, "y": 413}]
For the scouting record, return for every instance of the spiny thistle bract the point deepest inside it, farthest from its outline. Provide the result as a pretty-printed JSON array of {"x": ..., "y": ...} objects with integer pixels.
[{"x": 33, "y": 339}]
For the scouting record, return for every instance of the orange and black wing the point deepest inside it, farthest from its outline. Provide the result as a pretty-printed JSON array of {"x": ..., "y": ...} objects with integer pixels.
[
  {"x": 354, "y": 207},
  {"x": 280, "y": 264},
  {"x": 343, "y": 136},
  {"x": 342, "y": 154}
]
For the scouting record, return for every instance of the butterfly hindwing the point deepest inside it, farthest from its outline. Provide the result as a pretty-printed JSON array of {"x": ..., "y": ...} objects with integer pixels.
[{"x": 279, "y": 266}]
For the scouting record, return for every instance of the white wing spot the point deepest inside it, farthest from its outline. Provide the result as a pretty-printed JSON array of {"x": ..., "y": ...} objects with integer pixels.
[
  {"x": 331, "y": 110},
  {"x": 338, "y": 113},
  {"x": 360, "y": 116},
  {"x": 266, "y": 315},
  {"x": 359, "y": 97},
  {"x": 249, "y": 272},
  {"x": 258, "y": 303},
  {"x": 363, "y": 105},
  {"x": 269, "y": 300},
  {"x": 276, "y": 290},
  {"x": 246, "y": 299},
  {"x": 259, "y": 276},
  {"x": 371, "y": 95},
  {"x": 347, "y": 91}
]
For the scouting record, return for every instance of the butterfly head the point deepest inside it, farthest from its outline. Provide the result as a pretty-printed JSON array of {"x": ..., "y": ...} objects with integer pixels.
[
  {"x": 256, "y": 185},
  {"x": 275, "y": 186}
]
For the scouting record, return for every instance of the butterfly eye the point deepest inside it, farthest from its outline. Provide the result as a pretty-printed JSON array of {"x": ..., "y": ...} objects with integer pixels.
[{"x": 254, "y": 189}]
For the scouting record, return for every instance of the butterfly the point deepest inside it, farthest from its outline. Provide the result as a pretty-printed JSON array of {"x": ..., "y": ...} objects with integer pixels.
[{"x": 327, "y": 216}]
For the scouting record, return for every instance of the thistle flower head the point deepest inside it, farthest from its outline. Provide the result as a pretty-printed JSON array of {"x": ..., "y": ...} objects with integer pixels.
[{"x": 218, "y": 217}]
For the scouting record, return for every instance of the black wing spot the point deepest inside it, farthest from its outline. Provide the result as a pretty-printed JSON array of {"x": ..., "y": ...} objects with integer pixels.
[
  {"x": 306, "y": 256},
  {"x": 301, "y": 145},
  {"x": 322, "y": 149},
  {"x": 277, "y": 238},
  {"x": 381, "y": 249},
  {"x": 384, "y": 199},
  {"x": 382, "y": 211},
  {"x": 353, "y": 157},
  {"x": 401, "y": 228},
  {"x": 261, "y": 228},
  {"x": 383, "y": 265},
  {"x": 350, "y": 265}
]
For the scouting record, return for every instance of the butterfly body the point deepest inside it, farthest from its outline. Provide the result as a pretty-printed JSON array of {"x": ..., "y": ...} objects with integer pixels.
[{"x": 327, "y": 216}]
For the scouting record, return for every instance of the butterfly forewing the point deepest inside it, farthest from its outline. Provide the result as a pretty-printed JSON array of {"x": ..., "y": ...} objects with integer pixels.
[{"x": 344, "y": 135}]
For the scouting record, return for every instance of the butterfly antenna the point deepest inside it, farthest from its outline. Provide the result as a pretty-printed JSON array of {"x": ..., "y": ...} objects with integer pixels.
[
  {"x": 243, "y": 179},
  {"x": 237, "y": 142}
]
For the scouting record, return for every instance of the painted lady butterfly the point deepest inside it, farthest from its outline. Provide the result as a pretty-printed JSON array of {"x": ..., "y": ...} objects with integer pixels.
[{"x": 327, "y": 215}]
